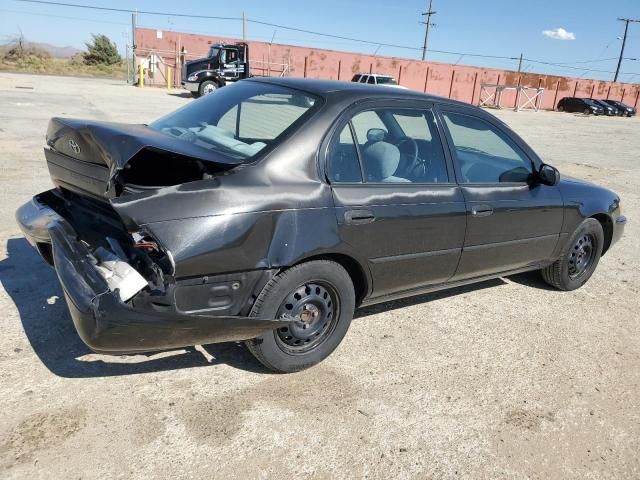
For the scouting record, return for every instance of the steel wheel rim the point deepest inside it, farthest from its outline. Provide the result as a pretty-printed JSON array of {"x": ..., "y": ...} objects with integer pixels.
[
  {"x": 208, "y": 89},
  {"x": 315, "y": 309},
  {"x": 582, "y": 255}
]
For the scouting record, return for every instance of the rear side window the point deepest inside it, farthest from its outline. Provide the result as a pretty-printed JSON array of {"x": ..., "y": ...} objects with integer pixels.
[
  {"x": 342, "y": 158},
  {"x": 484, "y": 153}
]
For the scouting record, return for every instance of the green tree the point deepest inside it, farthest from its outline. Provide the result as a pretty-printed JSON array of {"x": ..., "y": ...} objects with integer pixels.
[{"x": 101, "y": 50}]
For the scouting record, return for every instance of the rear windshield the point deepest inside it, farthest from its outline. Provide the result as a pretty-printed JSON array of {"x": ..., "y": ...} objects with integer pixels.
[
  {"x": 386, "y": 81},
  {"x": 241, "y": 119}
]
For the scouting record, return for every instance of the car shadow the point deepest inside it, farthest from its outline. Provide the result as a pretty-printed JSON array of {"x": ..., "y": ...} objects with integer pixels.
[
  {"x": 181, "y": 94},
  {"x": 34, "y": 288},
  {"x": 532, "y": 279},
  {"x": 425, "y": 298}
]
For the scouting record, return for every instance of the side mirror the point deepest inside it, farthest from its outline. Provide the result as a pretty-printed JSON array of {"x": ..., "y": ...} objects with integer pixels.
[{"x": 548, "y": 175}]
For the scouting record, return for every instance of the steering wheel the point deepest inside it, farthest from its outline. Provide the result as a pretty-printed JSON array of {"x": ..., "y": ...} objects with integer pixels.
[{"x": 413, "y": 145}]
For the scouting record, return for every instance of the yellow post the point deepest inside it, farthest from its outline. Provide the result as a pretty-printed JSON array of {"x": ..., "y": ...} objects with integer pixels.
[
  {"x": 168, "y": 77},
  {"x": 141, "y": 76}
]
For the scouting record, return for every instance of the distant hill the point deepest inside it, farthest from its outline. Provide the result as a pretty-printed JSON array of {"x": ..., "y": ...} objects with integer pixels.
[{"x": 55, "y": 51}]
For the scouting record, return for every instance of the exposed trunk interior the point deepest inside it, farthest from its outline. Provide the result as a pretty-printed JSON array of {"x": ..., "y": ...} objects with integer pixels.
[{"x": 153, "y": 169}]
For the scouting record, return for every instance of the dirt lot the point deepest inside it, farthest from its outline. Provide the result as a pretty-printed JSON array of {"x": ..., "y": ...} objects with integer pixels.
[{"x": 504, "y": 379}]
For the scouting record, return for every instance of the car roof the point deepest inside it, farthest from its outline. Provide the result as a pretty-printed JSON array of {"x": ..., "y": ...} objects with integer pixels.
[
  {"x": 375, "y": 74},
  {"x": 327, "y": 88}
]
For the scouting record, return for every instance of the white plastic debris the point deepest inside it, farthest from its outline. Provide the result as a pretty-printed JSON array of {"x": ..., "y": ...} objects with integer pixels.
[{"x": 119, "y": 274}]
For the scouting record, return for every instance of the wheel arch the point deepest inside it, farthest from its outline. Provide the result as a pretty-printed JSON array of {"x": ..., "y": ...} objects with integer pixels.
[
  {"x": 607, "y": 228},
  {"x": 361, "y": 281}
]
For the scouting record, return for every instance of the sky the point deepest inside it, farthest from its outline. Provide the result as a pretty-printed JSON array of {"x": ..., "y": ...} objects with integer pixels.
[{"x": 580, "y": 34}]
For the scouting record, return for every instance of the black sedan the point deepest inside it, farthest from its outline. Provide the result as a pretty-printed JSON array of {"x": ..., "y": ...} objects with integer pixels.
[
  {"x": 623, "y": 108},
  {"x": 579, "y": 105},
  {"x": 609, "y": 110},
  {"x": 269, "y": 210}
]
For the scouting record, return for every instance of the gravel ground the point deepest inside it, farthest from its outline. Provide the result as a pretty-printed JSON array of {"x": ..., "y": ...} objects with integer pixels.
[{"x": 502, "y": 379}]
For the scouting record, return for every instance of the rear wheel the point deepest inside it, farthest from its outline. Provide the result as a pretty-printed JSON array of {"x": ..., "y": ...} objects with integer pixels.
[
  {"x": 587, "y": 111},
  {"x": 319, "y": 298},
  {"x": 579, "y": 257},
  {"x": 560, "y": 108}
]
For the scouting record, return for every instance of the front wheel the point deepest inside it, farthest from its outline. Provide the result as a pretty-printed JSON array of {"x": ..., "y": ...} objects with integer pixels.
[
  {"x": 579, "y": 257},
  {"x": 318, "y": 297},
  {"x": 207, "y": 87}
]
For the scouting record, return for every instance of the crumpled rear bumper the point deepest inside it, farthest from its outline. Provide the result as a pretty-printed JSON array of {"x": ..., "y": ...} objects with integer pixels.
[{"x": 106, "y": 324}]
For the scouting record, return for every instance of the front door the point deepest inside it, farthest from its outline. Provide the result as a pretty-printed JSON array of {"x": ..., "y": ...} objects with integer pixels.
[
  {"x": 512, "y": 222},
  {"x": 397, "y": 205}
]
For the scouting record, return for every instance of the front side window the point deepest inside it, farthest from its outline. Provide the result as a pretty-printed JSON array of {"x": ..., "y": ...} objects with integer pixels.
[
  {"x": 241, "y": 119},
  {"x": 371, "y": 80},
  {"x": 484, "y": 153},
  {"x": 393, "y": 146}
]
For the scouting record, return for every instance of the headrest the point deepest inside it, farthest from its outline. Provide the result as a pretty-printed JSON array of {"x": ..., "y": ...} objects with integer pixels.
[
  {"x": 376, "y": 134},
  {"x": 381, "y": 160}
]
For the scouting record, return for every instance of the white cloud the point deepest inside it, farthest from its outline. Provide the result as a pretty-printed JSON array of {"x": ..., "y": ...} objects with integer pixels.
[{"x": 559, "y": 34}]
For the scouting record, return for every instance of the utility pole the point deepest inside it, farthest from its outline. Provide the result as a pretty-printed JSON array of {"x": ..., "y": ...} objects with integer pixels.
[
  {"x": 428, "y": 24},
  {"x": 134, "y": 21},
  {"x": 624, "y": 40},
  {"x": 520, "y": 64},
  {"x": 244, "y": 28}
]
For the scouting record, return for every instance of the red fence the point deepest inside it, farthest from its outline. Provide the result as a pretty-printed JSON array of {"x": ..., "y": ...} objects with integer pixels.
[{"x": 453, "y": 81}]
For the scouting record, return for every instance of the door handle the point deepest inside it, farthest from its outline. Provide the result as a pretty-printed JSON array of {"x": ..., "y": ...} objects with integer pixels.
[
  {"x": 481, "y": 210},
  {"x": 359, "y": 216}
]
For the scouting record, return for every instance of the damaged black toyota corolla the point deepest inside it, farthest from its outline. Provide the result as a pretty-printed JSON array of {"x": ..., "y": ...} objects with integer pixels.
[{"x": 269, "y": 210}]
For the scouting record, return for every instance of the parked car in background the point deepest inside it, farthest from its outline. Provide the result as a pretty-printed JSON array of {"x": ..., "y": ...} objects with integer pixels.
[
  {"x": 583, "y": 105},
  {"x": 272, "y": 208},
  {"x": 623, "y": 108},
  {"x": 609, "y": 110},
  {"x": 376, "y": 79}
]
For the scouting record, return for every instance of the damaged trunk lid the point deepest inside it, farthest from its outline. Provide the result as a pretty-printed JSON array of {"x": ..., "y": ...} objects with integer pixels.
[{"x": 106, "y": 159}]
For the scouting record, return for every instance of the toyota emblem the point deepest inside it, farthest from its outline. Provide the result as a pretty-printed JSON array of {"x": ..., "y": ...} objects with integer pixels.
[{"x": 74, "y": 146}]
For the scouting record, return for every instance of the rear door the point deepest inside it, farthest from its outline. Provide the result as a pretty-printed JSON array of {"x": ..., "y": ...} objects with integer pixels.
[
  {"x": 512, "y": 223},
  {"x": 407, "y": 223}
]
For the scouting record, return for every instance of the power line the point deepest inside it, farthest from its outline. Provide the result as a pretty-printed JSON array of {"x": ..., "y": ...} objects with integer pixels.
[
  {"x": 22, "y": 12},
  {"x": 125, "y": 10}
]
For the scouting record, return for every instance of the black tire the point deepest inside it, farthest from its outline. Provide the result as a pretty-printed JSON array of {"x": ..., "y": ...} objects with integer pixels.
[
  {"x": 560, "y": 108},
  {"x": 587, "y": 111},
  {"x": 564, "y": 273},
  {"x": 195, "y": 94},
  {"x": 316, "y": 280},
  {"x": 207, "y": 87}
]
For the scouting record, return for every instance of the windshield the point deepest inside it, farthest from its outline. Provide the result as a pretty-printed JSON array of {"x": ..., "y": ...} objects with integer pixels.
[
  {"x": 588, "y": 101},
  {"x": 241, "y": 119},
  {"x": 386, "y": 81}
]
